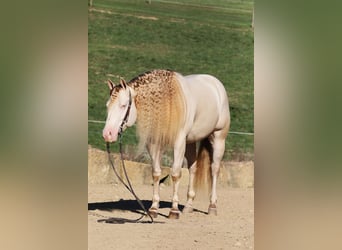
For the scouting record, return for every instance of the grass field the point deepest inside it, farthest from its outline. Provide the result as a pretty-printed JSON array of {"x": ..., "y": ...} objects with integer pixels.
[{"x": 127, "y": 38}]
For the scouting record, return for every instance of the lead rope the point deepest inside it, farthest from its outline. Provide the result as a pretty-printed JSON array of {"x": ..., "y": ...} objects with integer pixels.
[{"x": 129, "y": 186}]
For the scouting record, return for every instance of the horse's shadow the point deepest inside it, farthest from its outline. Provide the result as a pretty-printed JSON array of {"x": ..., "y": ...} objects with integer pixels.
[{"x": 132, "y": 206}]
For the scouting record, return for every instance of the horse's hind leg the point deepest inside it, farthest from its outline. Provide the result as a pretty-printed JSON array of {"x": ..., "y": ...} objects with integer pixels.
[
  {"x": 190, "y": 155},
  {"x": 218, "y": 143},
  {"x": 155, "y": 153}
]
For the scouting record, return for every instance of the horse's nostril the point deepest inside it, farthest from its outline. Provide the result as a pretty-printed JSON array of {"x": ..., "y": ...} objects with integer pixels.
[{"x": 106, "y": 134}]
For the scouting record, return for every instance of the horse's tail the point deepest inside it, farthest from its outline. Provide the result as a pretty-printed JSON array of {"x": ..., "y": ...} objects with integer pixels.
[{"x": 203, "y": 178}]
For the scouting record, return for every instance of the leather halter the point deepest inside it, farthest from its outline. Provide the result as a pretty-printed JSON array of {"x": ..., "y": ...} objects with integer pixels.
[{"x": 125, "y": 119}]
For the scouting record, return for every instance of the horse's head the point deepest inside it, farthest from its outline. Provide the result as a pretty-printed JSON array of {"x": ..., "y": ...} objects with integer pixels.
[{"x": 121, "y": 110}]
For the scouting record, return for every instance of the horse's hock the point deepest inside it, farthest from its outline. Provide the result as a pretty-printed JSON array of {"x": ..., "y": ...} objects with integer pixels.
[{"x": 232, "y": 174}]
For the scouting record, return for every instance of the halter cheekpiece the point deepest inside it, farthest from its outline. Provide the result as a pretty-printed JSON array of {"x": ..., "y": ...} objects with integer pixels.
[{"x": 125, "y": 119}]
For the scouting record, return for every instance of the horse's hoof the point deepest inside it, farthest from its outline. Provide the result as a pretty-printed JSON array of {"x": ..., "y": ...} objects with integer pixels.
[
  {"x": 153, "y": 212},
  {"x": 174, "y": 214},
  {"x": 188, "y": 210},
  {"x": 212, "y": 209}
]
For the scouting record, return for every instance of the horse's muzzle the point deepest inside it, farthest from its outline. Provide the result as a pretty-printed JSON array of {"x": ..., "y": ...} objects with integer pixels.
[{"x": 109, "y": 135}]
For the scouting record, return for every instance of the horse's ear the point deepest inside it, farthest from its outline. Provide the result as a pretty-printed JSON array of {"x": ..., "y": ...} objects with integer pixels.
[
  {"x": 123, "y": 83},
  {"x": 111, "y": 85}
]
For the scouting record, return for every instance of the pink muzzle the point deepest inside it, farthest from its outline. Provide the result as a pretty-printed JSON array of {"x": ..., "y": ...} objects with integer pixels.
[{"x": 109, "y": 134}]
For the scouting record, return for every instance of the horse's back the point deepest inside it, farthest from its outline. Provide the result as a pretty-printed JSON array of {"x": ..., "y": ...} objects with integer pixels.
[{"x": 210, "y": 85}]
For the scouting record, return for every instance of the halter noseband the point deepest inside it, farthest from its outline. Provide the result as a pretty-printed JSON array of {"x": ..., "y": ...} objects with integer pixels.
[{"x": 125, "y": 119}]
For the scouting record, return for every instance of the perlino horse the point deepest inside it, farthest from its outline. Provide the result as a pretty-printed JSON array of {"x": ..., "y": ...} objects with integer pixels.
[{"x": 177, "y": 111}]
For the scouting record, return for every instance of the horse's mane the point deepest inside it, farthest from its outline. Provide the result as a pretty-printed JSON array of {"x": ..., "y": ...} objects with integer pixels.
[{"x": 160, "y": 106}]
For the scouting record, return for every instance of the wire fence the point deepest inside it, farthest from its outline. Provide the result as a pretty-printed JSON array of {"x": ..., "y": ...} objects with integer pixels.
[{"x": 230, "y": 132}]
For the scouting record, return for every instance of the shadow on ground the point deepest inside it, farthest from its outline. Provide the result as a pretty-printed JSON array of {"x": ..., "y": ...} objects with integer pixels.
[{"x": 132, "y": 206}]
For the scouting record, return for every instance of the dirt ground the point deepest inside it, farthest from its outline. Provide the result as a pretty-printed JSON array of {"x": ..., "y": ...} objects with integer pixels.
[{"x": 232, "y": 228}]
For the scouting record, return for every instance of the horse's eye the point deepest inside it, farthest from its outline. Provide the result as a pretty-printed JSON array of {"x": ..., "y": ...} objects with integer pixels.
[{"x": 123, "y": 106}]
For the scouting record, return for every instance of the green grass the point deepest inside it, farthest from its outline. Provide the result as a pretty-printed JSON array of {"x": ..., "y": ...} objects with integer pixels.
[{"x": 127, "y": 38}]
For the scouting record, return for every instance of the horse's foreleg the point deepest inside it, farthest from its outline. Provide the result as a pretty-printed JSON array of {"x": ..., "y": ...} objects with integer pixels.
[
  {"x": 155, "y": 153},
  {"x": 218, "y": 151},
  {"x": 179, "y": 151},
  {"x": 190, "y": 155}
]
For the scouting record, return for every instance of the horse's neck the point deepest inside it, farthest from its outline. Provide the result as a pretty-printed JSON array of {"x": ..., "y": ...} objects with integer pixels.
[
  {"x": 138, "y": 88},
  {"x": 141, "y": 91}
]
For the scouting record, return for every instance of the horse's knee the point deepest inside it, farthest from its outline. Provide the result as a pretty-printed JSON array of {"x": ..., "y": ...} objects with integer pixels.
[
  {"x": 156, "y": 172},
  {"x": 176, "y": 174},
  {"x": 156, "y": 178}
]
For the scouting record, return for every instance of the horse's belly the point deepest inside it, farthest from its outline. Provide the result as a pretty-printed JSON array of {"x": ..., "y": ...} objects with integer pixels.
[
  {"x": 193, "y": 136},
  {"x": 200, "y": 129}
]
